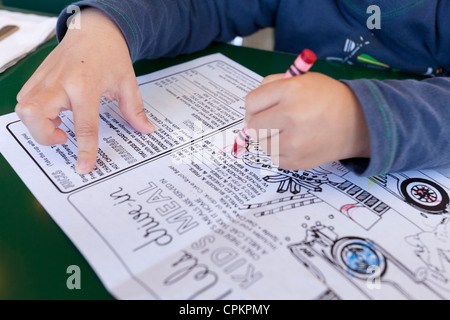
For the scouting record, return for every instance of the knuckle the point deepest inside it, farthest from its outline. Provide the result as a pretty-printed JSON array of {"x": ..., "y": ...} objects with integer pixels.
[
  {"x": 287, "y": 145},
  {"x": 289, "y": 163},
  {"x": 20, "y": 95},
  {"x": 269, "y": 79},
  {"x": 81, "y": 83},
  {"x": 44, "y": 140},
  {"x": 26, "y": 109},
  {"x": 249, "y": 100},
  {"x": 132, "y": 111},
  {"x": 140, "y": 113},
  {"x": 284, "y": 163},
  {"x": 294, "y": 86},
  {"x": 277, "y": 160},
  {"x": 86, "y": 130},
  {"x": 251, "y": 123},
  {"x": 288, "y": 120}
]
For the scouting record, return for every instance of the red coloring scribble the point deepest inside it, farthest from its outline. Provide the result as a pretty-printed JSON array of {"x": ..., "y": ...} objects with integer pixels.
[
  {"x": 347, "y": 209},
  {"x": 234, "y": 150}
]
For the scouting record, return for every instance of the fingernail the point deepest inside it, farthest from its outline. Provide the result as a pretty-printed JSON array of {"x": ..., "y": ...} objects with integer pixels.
[{"x": 82, "y": 167}]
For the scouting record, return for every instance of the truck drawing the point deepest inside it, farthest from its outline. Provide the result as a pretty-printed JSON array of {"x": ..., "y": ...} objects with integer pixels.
[{"x": 302, "y": 188}]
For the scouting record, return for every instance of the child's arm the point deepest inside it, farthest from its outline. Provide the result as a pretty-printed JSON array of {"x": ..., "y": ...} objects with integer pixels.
[
  {"x": 408, "y": 121},
  {"x": 376, "y": 126},
  {"x": 401, "y": 117},
  {"x": 157, "y": 28},
  {"x": 88, "y": 63},
  {"x": 96, "y": 60},
  {"x": 310, "y": 120}
]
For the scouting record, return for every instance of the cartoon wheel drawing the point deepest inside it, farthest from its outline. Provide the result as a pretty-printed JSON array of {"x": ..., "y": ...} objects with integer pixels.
[
  {"x": 425, "y": 194},
  {"x": 359, "y": 258}
]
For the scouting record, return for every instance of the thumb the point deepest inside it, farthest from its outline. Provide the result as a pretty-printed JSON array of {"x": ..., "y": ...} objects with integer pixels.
[{"x": 132, "y": 107}]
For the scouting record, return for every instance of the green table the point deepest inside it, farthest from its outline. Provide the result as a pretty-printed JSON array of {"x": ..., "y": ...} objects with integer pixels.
[
  {"x": 48, "y": 6},
  {"x": 34, "y": 252}
]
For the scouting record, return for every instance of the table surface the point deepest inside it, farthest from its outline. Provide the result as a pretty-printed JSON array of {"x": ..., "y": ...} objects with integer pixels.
[{"x": 34, "y": 252}]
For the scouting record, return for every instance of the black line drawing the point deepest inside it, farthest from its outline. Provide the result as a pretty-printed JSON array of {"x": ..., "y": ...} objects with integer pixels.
[
  {"x": 307, "y": 188},
  {"x": 433, "y": 249},
  {"x": 353, "y": 262},
  {"x": 292, "y": 203},
  {"x": 420, "y": 198},
  {"x": 328, "y": 295},
  {"x": 419, "y": 191}
]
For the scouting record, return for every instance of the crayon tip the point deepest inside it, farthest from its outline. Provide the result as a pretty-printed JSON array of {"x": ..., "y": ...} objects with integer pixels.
[{"x": 235, "y": 147}]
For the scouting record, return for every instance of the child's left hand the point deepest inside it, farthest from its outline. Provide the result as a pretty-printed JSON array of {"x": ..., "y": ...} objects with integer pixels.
[{"x": 311, "y": 119}]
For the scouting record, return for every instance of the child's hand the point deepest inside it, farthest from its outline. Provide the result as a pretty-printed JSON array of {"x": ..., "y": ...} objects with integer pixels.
[
  {"x": 319, "y": 120},
  {"x": 89, "y": 63}
]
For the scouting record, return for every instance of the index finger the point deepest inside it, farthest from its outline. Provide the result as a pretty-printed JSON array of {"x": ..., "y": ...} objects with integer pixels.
[
  {"x": 264, "y": 97},
  {"x": 39, "y": 112},
  {"x": 86, "y": 124}
]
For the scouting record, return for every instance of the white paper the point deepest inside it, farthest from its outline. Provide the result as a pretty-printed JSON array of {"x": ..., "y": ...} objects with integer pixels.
[
  {"x": 175, "y": 215},
  {"x": 33, "y": 31}
]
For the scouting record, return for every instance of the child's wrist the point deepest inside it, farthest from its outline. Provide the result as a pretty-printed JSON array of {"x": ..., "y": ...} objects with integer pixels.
[
  {"x": 359, "y": 137},
  {"x": 94, "y": 21}
]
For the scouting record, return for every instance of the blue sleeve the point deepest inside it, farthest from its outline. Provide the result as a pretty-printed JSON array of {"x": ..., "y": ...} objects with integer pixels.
[
  {"x": 409, "y": 124},
  {"x": 156, "y": 28},
  {"x": 409, "y": 120}
]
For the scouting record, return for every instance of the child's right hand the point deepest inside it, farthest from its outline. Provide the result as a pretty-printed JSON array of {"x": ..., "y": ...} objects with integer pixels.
[
  {"x": 89, "y": 63},
  {"x": 304, "y": 122}
]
